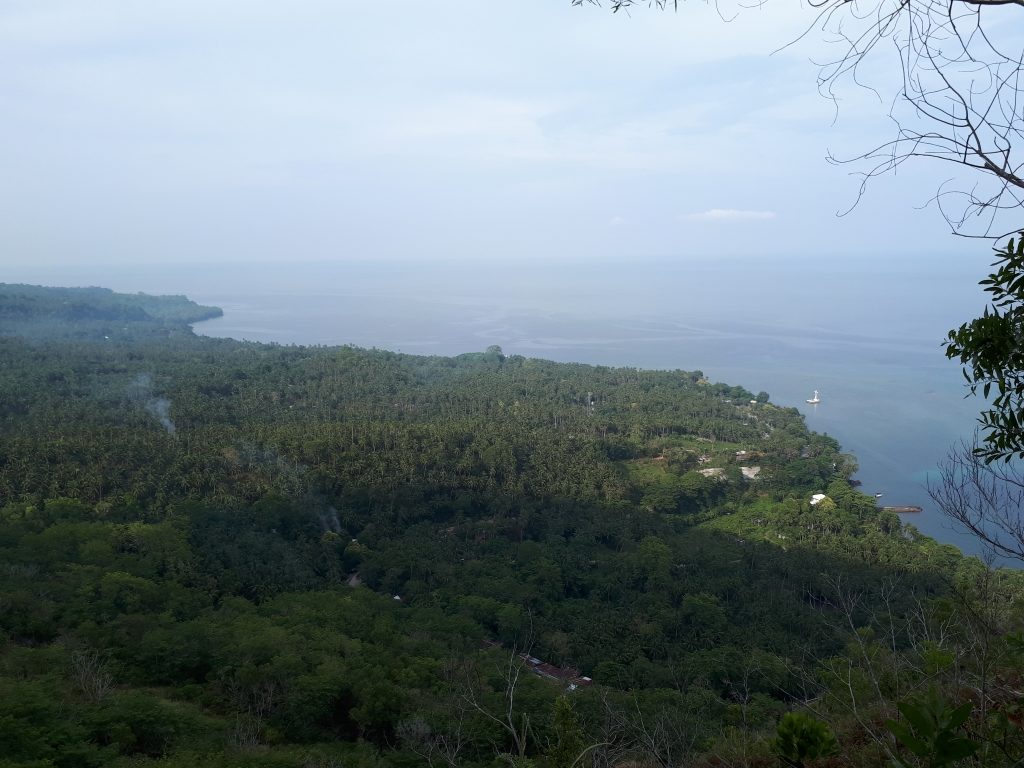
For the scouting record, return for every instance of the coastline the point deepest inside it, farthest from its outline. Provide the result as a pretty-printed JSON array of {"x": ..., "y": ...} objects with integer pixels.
[
  {"x": 874, "y": 474},
  {"x": 891, "y": 397}
]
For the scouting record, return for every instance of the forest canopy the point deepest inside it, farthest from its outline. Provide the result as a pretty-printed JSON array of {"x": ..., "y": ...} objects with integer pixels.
[{"x": 226, "y": 553}]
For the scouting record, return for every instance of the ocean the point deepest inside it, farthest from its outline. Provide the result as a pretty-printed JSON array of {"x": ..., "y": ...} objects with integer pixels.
[{"x": 866, "y": 333}]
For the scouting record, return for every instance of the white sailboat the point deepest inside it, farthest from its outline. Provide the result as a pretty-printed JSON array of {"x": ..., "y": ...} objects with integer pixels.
[{"x": 814, "y": 400}]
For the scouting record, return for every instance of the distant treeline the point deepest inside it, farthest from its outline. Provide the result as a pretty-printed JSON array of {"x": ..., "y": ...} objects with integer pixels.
[{"x": 81, "y": 313}]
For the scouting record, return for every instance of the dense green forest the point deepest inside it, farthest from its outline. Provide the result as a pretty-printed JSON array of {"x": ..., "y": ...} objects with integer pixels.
[
  {"x": 223, "y": 553},
  {"x": 35, "y": 311}
]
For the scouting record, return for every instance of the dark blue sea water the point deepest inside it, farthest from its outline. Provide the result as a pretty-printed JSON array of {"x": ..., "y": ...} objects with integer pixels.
[{"x": 866, "y": 333}]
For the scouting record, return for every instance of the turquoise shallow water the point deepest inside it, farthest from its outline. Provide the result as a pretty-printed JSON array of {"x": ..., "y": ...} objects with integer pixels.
[{"x": 867, "y": 334}]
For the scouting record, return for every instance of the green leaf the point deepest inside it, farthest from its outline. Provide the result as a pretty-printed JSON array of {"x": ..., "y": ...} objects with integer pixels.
[
  {"x": 959, "y": 715},
  {"x": 905, "y": 737},
  {"x": 918, "y": 718}
]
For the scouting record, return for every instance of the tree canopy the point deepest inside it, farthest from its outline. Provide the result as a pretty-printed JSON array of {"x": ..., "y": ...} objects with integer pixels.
[
  {"x": 991, "y": 350},
  {"x": 342, "y": 556}
]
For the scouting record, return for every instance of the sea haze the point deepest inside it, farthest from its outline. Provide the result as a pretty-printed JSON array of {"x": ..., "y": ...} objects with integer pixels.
[{"x": 867, "y": 333}]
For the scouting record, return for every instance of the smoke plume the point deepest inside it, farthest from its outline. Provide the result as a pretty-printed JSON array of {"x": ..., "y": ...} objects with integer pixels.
[
  {"x": 141, "y": 391},
  {"x": 161, "y": 407}
]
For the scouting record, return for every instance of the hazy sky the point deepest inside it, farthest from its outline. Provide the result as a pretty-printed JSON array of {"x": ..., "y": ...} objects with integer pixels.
[{"x": 202, "y": 130}]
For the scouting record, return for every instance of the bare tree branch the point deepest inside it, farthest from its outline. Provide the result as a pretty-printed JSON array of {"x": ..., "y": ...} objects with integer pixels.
[
  {"x": 984, "y": 498},
  {"x": 955, "y": 95}
]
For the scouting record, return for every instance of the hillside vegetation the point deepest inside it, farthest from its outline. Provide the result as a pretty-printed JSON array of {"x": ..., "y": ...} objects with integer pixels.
[{"x": 223, "y": 553}]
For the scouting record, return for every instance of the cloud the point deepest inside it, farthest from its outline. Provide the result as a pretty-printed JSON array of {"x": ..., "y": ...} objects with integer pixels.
[
  {"x": 189, "y": 131},
  {"x": 731, "y": 214}
]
